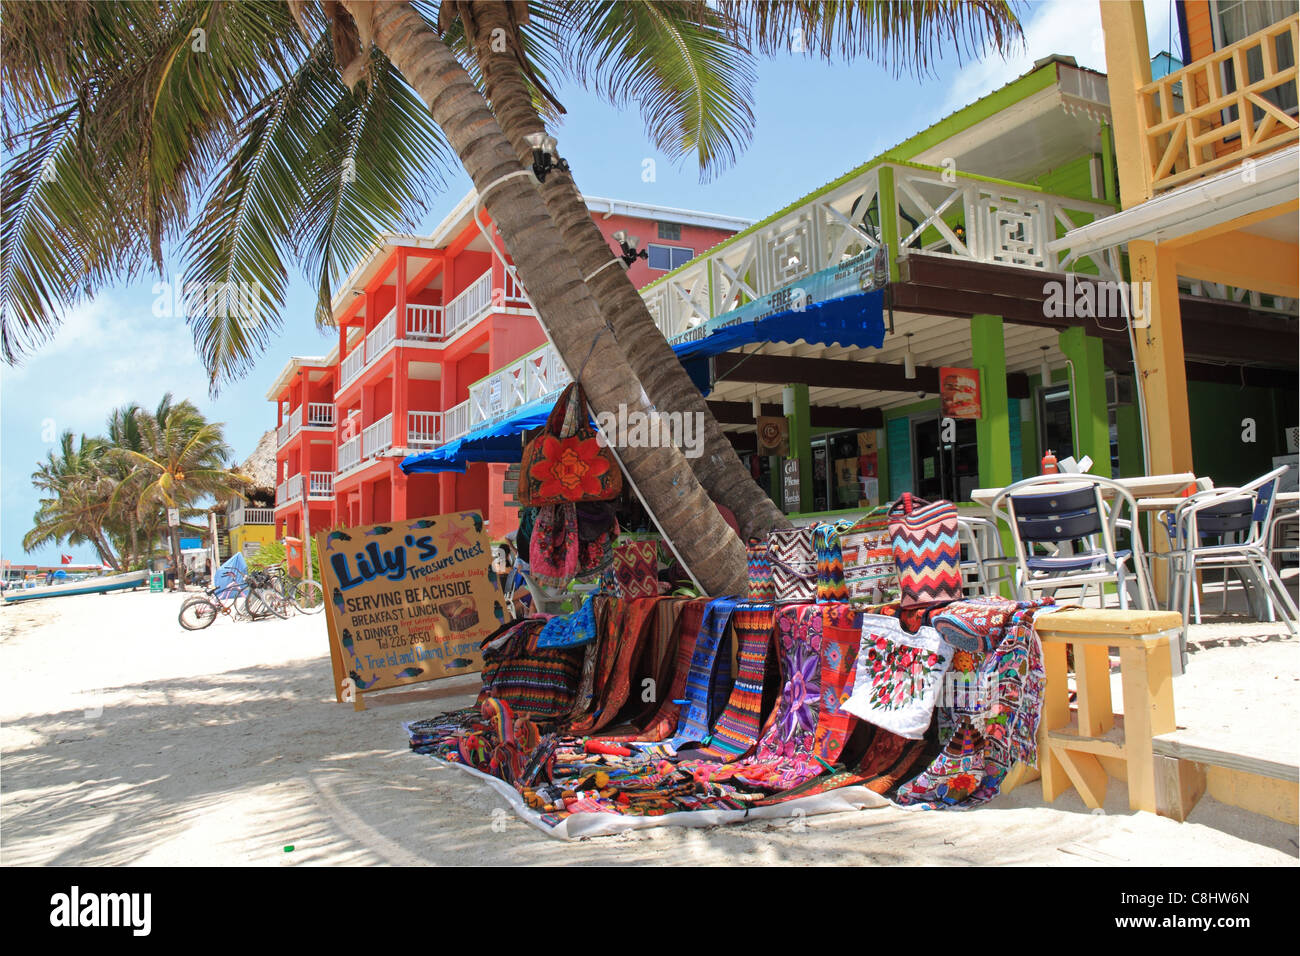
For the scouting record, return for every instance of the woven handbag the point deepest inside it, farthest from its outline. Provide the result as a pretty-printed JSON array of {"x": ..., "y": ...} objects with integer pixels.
[
  {"x": 831, "y": 585},
  {"x": 867, "y": 550},
  {"x": 566, "y": 463},
  {"x": 794, "y": 564},
  {"x": 926, "y": 549},
  {"x": 761, "y": 587}
]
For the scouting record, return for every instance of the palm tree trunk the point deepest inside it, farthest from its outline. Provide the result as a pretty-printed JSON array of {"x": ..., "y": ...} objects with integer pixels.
[
  {"x": 718, "y": 469},
  {"x": 695, "y": 528}
]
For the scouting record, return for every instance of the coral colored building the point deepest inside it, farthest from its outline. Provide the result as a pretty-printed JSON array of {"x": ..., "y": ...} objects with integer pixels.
[{"x": 423, "y": 325}]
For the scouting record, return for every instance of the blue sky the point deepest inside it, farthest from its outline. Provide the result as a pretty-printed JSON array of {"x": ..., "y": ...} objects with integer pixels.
[{"x": 815, "y": 121}]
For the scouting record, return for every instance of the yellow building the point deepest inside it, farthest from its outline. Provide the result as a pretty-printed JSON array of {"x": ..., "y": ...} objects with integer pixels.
[
  {"x": 1209, "y": 176},
  {"x": 249, "y": 527}
]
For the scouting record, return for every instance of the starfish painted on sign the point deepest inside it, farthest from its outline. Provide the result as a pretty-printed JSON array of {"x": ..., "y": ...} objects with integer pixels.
[{"x": 458, "y": 537}]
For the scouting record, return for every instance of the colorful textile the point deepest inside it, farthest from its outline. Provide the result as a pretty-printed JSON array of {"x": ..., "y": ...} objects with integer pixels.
[
  {"x": 987, "y": 742},
  {"x": 867, "y": 551},
  {"x": 602, "y": 607},
  {"x": 736, "y": 731},
  {"x": 553, "y": 554},
  {"x": 794, "y": 564},
  {"x": 571, "y": 630},
  {"x": 636, "y": 568},
  {"x": 841, "y": 638},
  {"x": 709, "y": 675},
  {"x": 664, "y": 722},
  {"x": 652, "y": 674},
  {"x": 566, "y": 462},
  {"x": 612, "y": 687},
  {"x": 761, "y": 587},
  {"x": 831, "y": 585},
  {"x": 899, "y": 676},
  {"x": 537, "y": 682},
  {"x": 926, "y": 549},
  {"x": 975, "y": 624}
]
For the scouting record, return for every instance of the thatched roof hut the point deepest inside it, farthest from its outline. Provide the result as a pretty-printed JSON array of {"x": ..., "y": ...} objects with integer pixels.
[{"x": 260, "y": 466}]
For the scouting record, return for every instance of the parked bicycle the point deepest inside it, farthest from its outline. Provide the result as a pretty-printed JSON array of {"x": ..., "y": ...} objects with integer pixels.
[{"x": 256, "y": 597}]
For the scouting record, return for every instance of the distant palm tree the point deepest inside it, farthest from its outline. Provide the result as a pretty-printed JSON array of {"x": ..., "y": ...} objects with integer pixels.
[{"x": 77, "y": 489}]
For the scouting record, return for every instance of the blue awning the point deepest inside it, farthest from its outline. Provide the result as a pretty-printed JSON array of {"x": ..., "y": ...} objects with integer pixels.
[{"x": 497, "y": 441}]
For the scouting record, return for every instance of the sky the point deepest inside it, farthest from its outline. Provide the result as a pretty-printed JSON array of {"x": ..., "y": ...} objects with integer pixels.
[{"x": 815, "y": 121}]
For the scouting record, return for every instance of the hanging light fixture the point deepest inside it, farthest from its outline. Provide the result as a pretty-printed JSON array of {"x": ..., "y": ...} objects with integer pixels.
[
  {"x": 909, "y": 360},
  {"x": 628, "y": 244},
  {"x": 1044, "y": 369},
  {"x": 757, "y": 406},
  {"x": 545, "y": 158}
]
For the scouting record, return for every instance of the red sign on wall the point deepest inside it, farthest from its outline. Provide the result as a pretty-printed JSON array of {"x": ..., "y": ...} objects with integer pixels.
[{"x": 959, "y": 392}]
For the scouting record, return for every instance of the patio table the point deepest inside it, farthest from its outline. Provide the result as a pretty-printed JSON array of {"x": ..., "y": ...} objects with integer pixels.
[{"x": 1139, "y": 486}]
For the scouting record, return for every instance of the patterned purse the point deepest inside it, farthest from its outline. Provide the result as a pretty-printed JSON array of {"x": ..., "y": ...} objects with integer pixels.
[
  {"x": 926, "y": 549},
  {"x": 794, "y": 564},
  {"x": 566, "y": 463},
  {"x": 636, "y": 567},
  {"x": 831, "y": 584},
  {"x": 899, "y": 676},
  {"x": 762, "y": 590},
  {"x": 867, "y": 550}
]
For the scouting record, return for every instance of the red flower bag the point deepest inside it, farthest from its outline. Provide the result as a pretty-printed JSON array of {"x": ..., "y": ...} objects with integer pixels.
[{"x": 566, "y": 462}]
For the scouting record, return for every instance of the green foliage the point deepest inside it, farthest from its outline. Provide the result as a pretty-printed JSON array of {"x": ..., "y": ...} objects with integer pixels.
[{"x": 274, "y": 553}]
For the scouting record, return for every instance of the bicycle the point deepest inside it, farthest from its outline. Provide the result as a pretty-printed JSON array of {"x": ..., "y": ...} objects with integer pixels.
[
  {"x": 306, "y": 596},
  {"x": 200, "y": 611}
]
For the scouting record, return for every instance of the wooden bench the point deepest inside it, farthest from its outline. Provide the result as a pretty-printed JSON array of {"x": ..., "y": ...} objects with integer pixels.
[
  {"x": 1251, "y": 774},
  {"x": 1084, "y": 749}
]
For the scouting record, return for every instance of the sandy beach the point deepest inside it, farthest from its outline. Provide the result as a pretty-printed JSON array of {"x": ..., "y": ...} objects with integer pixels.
[{"x": 127, "y": 740}]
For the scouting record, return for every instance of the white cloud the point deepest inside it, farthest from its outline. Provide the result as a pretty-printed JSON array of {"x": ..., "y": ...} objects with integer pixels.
[{"x": 1068, "y": 27}]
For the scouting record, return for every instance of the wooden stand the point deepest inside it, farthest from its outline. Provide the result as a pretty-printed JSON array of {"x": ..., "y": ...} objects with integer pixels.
[{"x": 1088, "y": 747}]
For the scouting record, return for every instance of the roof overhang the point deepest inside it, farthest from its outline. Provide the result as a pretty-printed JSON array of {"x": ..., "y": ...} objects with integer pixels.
[
  {"x": 291, "y": 369},
  {"x": 1204, "y": 204}
]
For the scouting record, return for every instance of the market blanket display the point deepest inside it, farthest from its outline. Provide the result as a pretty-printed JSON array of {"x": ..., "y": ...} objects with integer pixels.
[{"x": 702, "y": 711}]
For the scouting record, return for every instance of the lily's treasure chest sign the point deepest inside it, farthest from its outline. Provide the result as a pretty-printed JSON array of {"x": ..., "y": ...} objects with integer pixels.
[{"x": 408, "y": 602}]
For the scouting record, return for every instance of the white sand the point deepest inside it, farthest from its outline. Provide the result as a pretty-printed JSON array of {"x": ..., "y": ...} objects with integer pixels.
[{"x": 128, "y": 740}]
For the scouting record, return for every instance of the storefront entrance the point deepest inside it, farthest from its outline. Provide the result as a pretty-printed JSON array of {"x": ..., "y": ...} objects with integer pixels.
[{"x": 945, "y": 459}]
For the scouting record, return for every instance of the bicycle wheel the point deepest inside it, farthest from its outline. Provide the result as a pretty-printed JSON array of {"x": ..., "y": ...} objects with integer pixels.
[
  {"x": 198, "y": 613},
  {"x": 270, "y": 601},
  {"x": 308, "y": 596}
]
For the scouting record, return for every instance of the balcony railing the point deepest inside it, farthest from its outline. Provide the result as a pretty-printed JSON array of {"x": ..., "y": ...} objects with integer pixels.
[
  {"x": 377, "y": 438},
  {"x": 353, "y": 364},
  {"x": 1196, "y": 133},
  {"x": 288, "y": 490},
  {"x": 424, "y": 322},
  {"x": 536, "y": 375},
  {"x": 245, "y": 516},
  {"x": 289, "y": 427},
  {"x": 470, "y": 306},
  {"x": 349, "y": 454},
  {"x": 423, "y": 429},
  {"x": 456, "y": 420},
  {"x": 381, "y": 336},
  {"x": 321, "y": 484},
  {"x": 934, "y": 212},
  {"x": 320, "y": 414}
]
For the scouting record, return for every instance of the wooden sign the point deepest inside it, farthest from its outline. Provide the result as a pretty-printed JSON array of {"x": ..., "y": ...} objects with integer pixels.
[
  {"x": 408, "y": 601},
  {"x": 791, "y": 485},
  {"x": 773, "y": 435}
]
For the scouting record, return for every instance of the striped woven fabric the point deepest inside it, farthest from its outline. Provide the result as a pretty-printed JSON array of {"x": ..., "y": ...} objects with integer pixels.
[
  {"x": 652, "y": 673},
  {"x": 867, "y": 549},
  {"x": 710, "y": 673},
  {"x": 532, "y": 682},
  {"x": 926, "y": 549},
  {"x": 794, "y": 564},
  {"x": 737, "y": 729},
  {"x": 761, "y": 587},
  {"x": 831, "y": 585},
  {"x": 613, "y": 693},
  {"x": 841, "y": 638},
  {"x": 664, "y": 722}
]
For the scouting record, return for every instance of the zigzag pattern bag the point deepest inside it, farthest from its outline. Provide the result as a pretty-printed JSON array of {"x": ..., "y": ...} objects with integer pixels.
[
  {"x": 794, "y": 564},
  {"x": 926, "y": 549},
  {"x": 867, "y": 550},
  {"x": 761, "y": 588}
]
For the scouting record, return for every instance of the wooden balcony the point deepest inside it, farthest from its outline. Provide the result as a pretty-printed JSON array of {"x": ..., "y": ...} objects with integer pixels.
[{"x": 1194, "y": 125}]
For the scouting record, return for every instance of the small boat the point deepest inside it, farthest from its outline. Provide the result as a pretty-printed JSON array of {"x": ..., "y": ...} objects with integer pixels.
[{"x": 114, "y": 582}]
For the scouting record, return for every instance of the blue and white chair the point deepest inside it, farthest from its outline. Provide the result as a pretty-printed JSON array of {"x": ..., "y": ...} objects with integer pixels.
[{"x": 1050, "y": 513}]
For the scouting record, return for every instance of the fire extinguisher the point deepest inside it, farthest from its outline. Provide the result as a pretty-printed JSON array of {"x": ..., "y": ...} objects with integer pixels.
[{"x": 1049, "y": 463}]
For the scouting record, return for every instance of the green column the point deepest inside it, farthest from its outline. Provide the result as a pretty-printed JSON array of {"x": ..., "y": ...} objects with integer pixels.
[
  {"x": 992, "y": 429},
  {"x": 797, "y": 411},
  {"x": 1088, "y": 393},
  {"x": 889, "y": 218}
]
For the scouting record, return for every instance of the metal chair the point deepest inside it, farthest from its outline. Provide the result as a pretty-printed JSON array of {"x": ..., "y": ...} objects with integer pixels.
[
  {"x": 1203, "y": 527},
  {"x": 1050, "y": 512},
  {"x": 982, "y": 547}
]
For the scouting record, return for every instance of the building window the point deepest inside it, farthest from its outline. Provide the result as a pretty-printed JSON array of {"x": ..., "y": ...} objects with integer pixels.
[
  {"x": 671, "y": 231},
  {"x": 667, "y": 258},
  {"x": 1235, "y": 20}
]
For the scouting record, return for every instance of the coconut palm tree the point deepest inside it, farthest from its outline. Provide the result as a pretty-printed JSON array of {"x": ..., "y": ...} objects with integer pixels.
[
  {"x": 77, "y": 498},
  {"x": 184, "y": 459}
]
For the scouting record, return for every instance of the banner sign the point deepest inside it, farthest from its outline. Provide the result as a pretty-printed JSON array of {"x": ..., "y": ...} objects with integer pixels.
[
  {"x": 410, "y": 601},
  {"x": 959, "y": 392},
  {"x": 773, "y": 435},
  {"x": 791, "y": 485},
  {"x": 865, "y": 272}
]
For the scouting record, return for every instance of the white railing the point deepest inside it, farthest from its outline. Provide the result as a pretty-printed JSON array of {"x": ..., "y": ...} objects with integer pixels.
[
  {"x": 424, "y": 322},
  {"x": 349, "y": 454},
  {"x": 290, "y": 426},
  {"x": 352, "y": 365},
  {"x": 935, "y": 212},
  {"x": 320, "y": 414},
  {"x": 282, "y": 433},
  {"x": 282, "y": 493},
  {"x": 244, "y": 516},
  {"x": 468, "y": 307},
  {"x": 456, "y": 421},
  {"x": 381, "y": 336},
  {"x": 321, "y": 484},
  {"x": 536, "y": 375},
  {"x": 423, "y": 429},
  {"x": 515, "y": 294},
  {"x": 288, "y": 490},
  {"x": 377, "y": 438}
]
